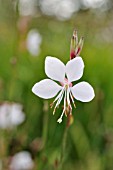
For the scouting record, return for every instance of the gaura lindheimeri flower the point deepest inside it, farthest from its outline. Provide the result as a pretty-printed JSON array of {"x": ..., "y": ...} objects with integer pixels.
[
  {"x": 65, "y": 74},
  {"x": 11, "y": 115},
  {"x": 21, "y": 161}
]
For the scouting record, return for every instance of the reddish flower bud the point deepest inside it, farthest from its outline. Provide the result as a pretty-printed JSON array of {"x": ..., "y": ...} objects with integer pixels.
[
  {"x": 79, "y": 47},
  {"x": 75, "y": 47}
]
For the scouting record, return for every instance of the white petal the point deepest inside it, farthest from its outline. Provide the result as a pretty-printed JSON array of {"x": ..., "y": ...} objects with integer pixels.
[
  {"x": 46, "y": 89},
  {"x": 54, "y": 69},
  {"x": 83, "y": 91},
  {"x": 74, "y": 69}
]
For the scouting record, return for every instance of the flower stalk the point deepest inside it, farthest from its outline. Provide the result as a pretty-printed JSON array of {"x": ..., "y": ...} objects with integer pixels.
[{"x": 64, "y": 139}]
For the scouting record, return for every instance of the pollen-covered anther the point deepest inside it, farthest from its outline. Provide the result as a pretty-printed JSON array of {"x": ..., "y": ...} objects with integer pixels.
[
  {"x": 66, "y": 112},
  {"x": 51, "y": 105},
  {"x": 74, "y": 105},
  {"x": 54, "y": 110}
]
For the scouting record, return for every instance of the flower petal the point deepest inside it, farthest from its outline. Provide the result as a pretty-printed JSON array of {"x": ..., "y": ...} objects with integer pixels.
[
  {"x": 83, "y": 91},
  {"x": 46, "y": 89},
  {"x": 74, "y": 69},
  {"x": 54, "y": 69}
]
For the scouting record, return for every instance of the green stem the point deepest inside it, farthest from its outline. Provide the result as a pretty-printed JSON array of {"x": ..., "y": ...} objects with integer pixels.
[
  {"x": 45, "y": 123},
  {"x": 63, "y": 146},
  {"x": 64, "y": 141}
]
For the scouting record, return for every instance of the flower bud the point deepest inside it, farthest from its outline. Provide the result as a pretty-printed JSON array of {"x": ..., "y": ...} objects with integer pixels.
[
  {"x": 74, "y": 42},
  {"x": 79, "y": 47},
  {"x": 76, "y": 46}
]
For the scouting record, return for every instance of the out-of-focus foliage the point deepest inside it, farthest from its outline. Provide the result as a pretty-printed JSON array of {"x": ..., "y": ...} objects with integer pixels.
[{"x": 89, "y": 143}]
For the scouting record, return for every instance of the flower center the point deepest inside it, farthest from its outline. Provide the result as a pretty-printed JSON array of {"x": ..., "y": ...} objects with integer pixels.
[
  {"x": 68, "y": 99},
  {"x": 66, "y": 83}
]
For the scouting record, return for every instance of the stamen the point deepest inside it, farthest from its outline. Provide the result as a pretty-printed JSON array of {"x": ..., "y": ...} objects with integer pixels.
[
  {"x": 65, "y": 101},
  {"x": 51, "y": 105},
  {"x": 68, "y": 99},
  {"x": 72, "y": 99},
  {"x": 59, "y": 100},
  {"x": 60, "y": 119}
]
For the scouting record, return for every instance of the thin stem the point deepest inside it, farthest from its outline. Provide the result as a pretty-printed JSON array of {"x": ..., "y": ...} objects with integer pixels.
[
  {"x": 45, "y": 123},
  {"x": 64, "y": 145},
  {"x": 64, "y": 141}
]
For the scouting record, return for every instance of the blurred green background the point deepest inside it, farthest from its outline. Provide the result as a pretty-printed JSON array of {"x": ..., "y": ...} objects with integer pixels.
[{"x": 89, "y": 144}]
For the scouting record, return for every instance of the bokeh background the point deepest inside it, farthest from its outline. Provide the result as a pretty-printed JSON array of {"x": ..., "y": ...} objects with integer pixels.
[{"x": 30, "y": 30}]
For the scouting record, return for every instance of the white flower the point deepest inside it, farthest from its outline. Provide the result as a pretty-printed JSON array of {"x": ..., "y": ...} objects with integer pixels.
[
  {"x": 33, "y": 42},
  {"x": 11, "y": 115},
  {"x": 27, "y": 7},
  {"x": 22, "y": 161},
  {"x": 94, "y": 3},
  {"x": 56, "y": 70},
  {"x": 68, "y": 7}
]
